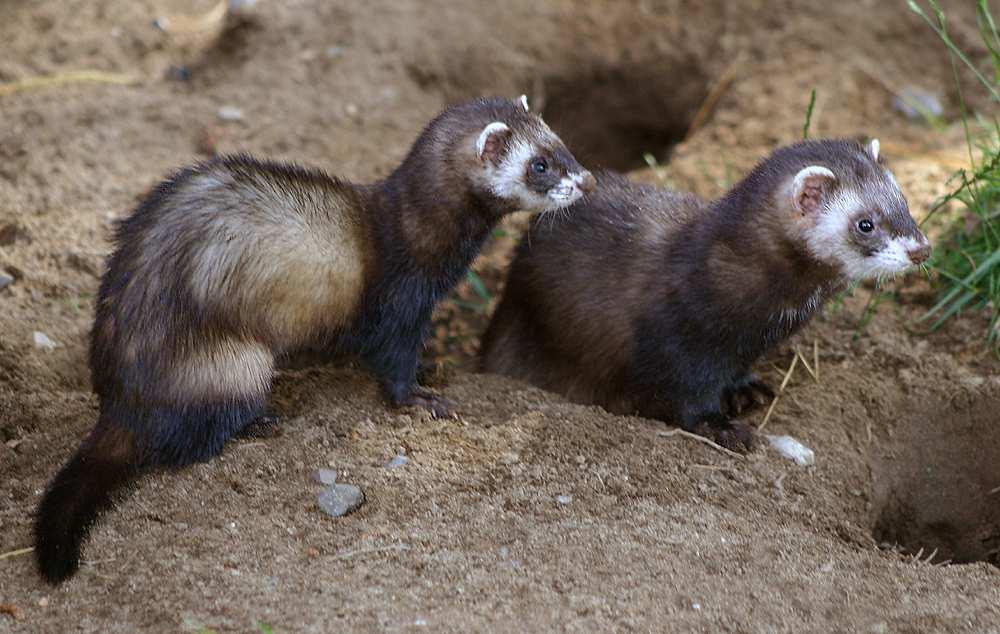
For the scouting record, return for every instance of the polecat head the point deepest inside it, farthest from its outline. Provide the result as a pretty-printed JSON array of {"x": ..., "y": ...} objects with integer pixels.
[
  {"x": 522, "y": 162},
  {"x": 849, "y": 209}
]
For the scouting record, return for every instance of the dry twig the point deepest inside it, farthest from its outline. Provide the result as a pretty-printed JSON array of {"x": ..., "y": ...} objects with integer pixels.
[
  {"x": 19, "y": 551},
  {"x": 68, "y": 77},
  {"x": 713, "y": 96},
  {"x": 777, "y": 397},
  {"x": 703, "y": 440}
]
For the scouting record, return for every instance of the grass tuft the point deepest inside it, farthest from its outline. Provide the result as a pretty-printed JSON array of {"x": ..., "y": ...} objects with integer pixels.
[{"x": 967, "y": 261}]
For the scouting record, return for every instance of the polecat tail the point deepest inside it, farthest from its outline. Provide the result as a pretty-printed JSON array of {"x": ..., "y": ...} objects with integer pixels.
[{"x": 105, "y": 463}]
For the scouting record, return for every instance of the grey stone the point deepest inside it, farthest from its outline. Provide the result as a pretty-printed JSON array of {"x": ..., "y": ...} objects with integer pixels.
[
  {"x": 5, "y": 280},
  {"x": 340, "y": 499},
  {"x": 915, "y": 104},
  {"x": 396, "y": 462},
  {"x": 325, "y": 476}
]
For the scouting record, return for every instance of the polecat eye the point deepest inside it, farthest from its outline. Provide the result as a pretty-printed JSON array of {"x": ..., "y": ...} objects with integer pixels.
[
  {"x": 540, "y": 166},
  {"x": 866, "y": 226}
]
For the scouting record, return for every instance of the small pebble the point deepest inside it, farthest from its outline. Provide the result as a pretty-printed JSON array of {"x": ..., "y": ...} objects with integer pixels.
[
  {"x": 915, "y": 104},
  {"x": 340, "y": 499},
  {"x": 44, "y": 601},
  {"x": 396, "y": 462},
  {"x": 334, "y": 51},
  {"x": 42, "y": 341},
  {"x": 325, "y": 476},
  {"x": 5, "y": 280},
  {"x": 793, "y": 450},
  {"x": 229, "y": 113},
  {"x": 564, "y": 499},
  {"x": 177, "y": 73}
]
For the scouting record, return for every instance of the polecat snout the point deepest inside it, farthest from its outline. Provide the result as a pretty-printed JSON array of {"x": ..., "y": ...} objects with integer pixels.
[
  {"x": 658, "y": 303},
  {"x": 233, "y": 262}
]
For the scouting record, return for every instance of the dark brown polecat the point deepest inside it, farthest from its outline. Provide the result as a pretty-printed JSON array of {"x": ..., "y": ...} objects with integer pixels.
[
  {"x": 233, "y": 262},
  {"x": 658, "y": 303}
]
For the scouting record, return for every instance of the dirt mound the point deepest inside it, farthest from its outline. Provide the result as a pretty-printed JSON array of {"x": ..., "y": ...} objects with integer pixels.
[{"x": 529, "y": 512}]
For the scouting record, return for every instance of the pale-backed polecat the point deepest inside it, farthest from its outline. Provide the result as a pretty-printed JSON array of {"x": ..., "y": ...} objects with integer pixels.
[
  {"x": 658, "y": 303},
  {"x": 232, "y": 262}
]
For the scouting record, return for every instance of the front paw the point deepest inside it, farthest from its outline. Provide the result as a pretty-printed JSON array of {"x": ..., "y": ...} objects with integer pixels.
[
  {"x": 267, "y": 425},
  {"x": 746, "y": 395},
  {"x": 734, "y": 435},
  {"x": 438, "y": 406}
]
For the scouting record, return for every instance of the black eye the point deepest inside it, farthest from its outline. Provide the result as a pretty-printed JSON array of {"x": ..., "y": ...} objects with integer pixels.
[
  {"x": 866, "y": 226},
  {"x": 540, "y": 166}
]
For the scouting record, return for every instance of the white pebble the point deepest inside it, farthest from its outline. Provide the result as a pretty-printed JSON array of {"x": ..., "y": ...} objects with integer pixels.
[
  {"x": 230, "y": 113},
  {"x": 396, "y": 462},
  {"x": 42, "y": 341},
  {"x": 5, "y": 280},
  {"x": 793, "y": 450},
  {"x": 564, "y": 499}
]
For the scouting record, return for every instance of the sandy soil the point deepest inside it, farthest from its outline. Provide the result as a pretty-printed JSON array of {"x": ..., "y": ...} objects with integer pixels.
[{"x": 661, "y": 532}]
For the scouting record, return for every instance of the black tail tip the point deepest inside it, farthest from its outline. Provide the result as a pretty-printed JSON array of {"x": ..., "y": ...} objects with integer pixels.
[{"x": 54, "y": 564}]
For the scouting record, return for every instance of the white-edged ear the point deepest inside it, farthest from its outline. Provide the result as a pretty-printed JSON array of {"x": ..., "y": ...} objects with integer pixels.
[
  {"x": 524, "y": 102},
  {"x": 809, "y": 187},
  {"x": 873, "y": 148},
  {"x": 491, "y": 140}
]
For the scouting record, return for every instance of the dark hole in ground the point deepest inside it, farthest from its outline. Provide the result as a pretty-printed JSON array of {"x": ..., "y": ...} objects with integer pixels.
[
  {"x": 936, "y": 487},
  {"x": 610, "y": 115}
]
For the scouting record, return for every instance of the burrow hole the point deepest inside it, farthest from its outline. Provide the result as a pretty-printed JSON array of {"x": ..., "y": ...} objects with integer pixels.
[
  {"x": 612, "y": 115},
  {"x": 936, "y": 487}
]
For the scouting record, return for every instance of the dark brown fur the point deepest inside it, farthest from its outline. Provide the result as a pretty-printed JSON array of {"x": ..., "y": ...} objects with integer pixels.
[
  {"x": 234, "y": 262},
  {"x": 658, "y": 303}
]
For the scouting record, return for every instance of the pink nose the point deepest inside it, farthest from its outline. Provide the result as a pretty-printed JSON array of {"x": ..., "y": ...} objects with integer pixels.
[{"x": 920, "y": 254}]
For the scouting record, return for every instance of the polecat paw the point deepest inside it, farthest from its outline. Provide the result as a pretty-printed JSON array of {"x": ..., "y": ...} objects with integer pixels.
[
  {"x": 264, "y": 426},
  {"x": 438, "y": 406},
  {"x": 733, "y": 435}
]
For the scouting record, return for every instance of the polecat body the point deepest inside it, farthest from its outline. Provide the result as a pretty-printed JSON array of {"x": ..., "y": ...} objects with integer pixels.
[
  {"x": 658, "y": 303},
  {"x": 233, "y": 262}
]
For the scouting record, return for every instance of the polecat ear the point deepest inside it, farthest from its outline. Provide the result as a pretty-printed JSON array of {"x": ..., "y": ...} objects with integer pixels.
[
  {"x": 811, "y": 185},
  {"x": 524, "y": 103},
  {"x": 492, "y": 141},
  {"x": 873, "y": 148}
]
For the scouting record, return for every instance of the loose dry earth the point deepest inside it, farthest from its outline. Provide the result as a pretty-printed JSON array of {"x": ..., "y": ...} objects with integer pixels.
[{"x": 661, "y": 533}]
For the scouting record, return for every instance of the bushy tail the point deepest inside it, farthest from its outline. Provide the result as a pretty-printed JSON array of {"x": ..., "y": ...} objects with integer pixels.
[{"x": 84, "y": 488}]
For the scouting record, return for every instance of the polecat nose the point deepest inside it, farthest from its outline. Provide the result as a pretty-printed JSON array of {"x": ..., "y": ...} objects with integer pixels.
[
  {"x": 588, "y": 184},
  {"x": 920, "y": 254}
]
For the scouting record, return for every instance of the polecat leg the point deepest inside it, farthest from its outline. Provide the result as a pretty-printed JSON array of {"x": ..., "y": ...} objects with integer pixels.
[
  {"x": 744, "y": 394},
  {"x": 396, "y": 370}
]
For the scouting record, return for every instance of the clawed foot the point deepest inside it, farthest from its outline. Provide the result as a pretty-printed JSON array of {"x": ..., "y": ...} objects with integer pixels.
[
  {"x": 438, "y": 406},
  {"x": 733, "y": 434},
  {"x": 745, "y": 396},
  {"x": 264, "y": 426}
]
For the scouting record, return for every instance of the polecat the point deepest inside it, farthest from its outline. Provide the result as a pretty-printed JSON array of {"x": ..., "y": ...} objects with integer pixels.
[
  {"x": 658, "y": 303},
  {"x": 232, "y": 262}
]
